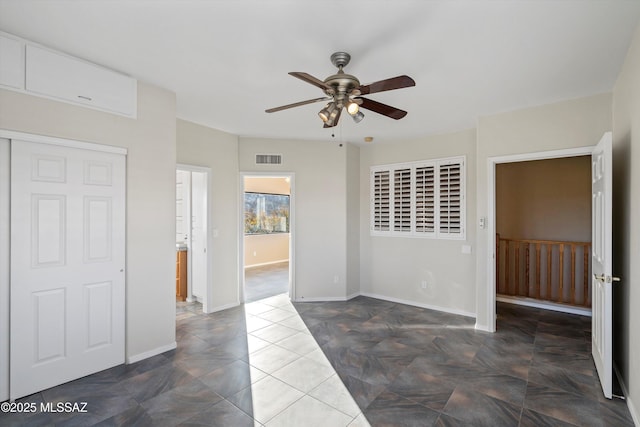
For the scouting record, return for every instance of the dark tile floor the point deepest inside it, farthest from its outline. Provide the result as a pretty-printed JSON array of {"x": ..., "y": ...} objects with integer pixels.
[
  {"x": 264, "y": 363},
  {"x": 266, "y": 281},
  {"x": 410, "y": 366}
]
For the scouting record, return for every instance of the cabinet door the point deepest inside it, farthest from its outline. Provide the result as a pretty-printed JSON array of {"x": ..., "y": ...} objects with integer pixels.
[
  {"x": 59, "y": 76},
  {"x": 11, "y": 62}
]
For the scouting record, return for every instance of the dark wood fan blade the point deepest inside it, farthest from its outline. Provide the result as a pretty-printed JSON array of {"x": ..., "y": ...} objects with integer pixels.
[
  {"x": 384, "y": 109},
  {"x": 388, "y": 84},
  {"x": 296, "y": 104},
  {"x": 312, "y": 80},
  {"x": 335, "y": 121}
]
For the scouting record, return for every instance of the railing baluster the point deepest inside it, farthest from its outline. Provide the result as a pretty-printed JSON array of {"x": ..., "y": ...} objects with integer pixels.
[
  {"x": 538, "y": 281},
  {"x": 526, "y": 269},
  {"x": 498, "y": 262},
  {"x": 507, "y": 267},
  {"x": 585, "y": 276},
  {"x": 549, "y": 265},
  {"x": 573, "y": 273},
  {"x": 561, "y": 273},
  {"x": 517, "y": 270}
]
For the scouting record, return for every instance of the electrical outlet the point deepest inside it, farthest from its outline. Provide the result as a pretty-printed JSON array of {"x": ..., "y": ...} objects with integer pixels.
[
  {"x": 335, "y": 279},
  {"x": 424, "y": 284},
  {"x": 255, "y": 253}
]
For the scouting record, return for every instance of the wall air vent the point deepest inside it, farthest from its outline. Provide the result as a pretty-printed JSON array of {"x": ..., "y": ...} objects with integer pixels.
[{"x": 268, "y": 159}]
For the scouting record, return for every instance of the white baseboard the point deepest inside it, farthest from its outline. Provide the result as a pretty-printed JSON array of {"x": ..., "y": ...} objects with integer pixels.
[
  {"x": 223, "y": 307},
  {"x": 147, "y": 354},
  {"x": 320, "y": 299},
  {"x": 419, "y": 304},
  {"x": 353, "y": 295},
  {"x": 632, "y": 409},
  {"x": 266, "y": 263},
  {"x": 529, "y": 302}
]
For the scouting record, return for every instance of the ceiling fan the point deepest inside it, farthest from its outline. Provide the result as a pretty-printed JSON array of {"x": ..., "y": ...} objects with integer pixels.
[{"x": 343, "y": 91}]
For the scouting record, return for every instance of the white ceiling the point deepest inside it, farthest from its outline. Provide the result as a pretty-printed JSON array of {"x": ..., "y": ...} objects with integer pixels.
[{"x": 227, "y": 60}]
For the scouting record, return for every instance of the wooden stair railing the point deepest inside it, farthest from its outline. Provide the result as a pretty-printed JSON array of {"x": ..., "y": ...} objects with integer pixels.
[{"x": 550, "y": 275}]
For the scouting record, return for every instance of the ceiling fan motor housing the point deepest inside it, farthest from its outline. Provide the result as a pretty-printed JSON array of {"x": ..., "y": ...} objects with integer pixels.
[{"x": 343, "y": 84}]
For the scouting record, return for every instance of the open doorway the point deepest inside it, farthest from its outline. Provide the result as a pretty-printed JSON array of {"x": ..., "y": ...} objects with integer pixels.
[
  {"x": 192, "y": 239},
  {"x": 543, "y": 233},
  {"x": 266, "y": 230}
]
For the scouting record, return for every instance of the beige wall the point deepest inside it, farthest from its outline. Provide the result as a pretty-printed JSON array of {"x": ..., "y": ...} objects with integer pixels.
[
  {"x": 260, "y": 249},
  {"x": 569, "y": 124},
  {"x": 319, "y": 206},
  {"x": 201, "y": 146},
  {"x": 626, "y": 232},
  {"x": 151, "y": 163},
  {"x": 266, "y": 184},
  {"x": 544, "y": 199},
  {"x": 394, "y": 267}
]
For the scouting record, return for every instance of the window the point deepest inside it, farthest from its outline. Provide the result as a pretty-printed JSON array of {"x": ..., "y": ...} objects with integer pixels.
[
  {"x": 419, "y": 199},
  {"x": 266, "y": 213}
]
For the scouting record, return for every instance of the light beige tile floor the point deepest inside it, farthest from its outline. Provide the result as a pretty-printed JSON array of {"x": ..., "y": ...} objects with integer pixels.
[{"x": 299, "y": 386}]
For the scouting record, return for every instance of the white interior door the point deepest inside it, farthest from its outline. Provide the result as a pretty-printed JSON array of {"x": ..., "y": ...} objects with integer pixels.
[
  {"x": 601, "y": 330},
  {"x": 67, "y": 264},
  {"x": 199, "y": 233},
  {"x": 5, "y": 189}
]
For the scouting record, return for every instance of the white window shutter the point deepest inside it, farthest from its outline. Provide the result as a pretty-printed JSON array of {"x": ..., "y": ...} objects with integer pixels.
[
  {"x": 450, "y": 198},
  {"x": 402, "y": 200},
  {"x": 419, "y": 199},
  {"x": 380, "y": 200},
  {"x": 425, "y": 214}
]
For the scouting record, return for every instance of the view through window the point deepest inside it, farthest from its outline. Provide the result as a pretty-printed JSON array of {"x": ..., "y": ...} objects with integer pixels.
[{"x": 266, "y": 213}]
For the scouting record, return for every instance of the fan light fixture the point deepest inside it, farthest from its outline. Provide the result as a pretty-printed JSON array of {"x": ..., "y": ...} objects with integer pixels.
[
  {"x": 325, "y": 113},
  {"x": 357, "y": 117},
  {"x": 353, "y": 108}
]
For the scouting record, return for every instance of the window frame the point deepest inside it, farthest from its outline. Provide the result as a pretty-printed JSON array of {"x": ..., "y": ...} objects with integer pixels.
[{"x": 429, "y": 201}]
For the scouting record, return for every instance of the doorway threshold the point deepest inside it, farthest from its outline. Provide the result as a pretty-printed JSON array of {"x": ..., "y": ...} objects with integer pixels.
[{"x": 530, "y": 302}]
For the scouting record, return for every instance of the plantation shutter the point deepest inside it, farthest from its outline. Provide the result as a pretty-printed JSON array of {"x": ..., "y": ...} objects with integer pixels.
[
  {"x": 402, "y": 200},
  {"x": 450, "y": 198},
  {"x": 381, "y": 190},
  {"x": 419, "y": 199},
  {"x": 425, "y": 199}
]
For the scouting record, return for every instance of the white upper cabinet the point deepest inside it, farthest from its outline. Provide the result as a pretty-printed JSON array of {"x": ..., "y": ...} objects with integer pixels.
[
  {"x": 60, "y": 76},
  {"x": 36, "y": 70},
  {"x": 11, "y": 62}
]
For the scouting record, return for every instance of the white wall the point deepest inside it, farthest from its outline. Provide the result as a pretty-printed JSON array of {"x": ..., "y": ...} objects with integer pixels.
[
  {"x": 320, "y": 205},
  {"x": 151, "y": 163},
  {"x": 353, "y": 220},
  {"x": 626, "y": 233},
  {"x": 394, "y": 267},
  {"x": 201, "y": 146},
  {"x": 569, "y": 124}
]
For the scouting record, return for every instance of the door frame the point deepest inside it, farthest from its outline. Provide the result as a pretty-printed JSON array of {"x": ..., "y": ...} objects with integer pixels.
[
  {"x": 207, "y": 297},
  {"x": 488, "y": 300},
  {"x": 291, "y": 176}
]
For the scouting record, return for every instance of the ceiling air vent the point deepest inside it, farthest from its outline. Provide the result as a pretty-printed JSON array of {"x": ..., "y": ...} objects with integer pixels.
[{"x": 268, "y": 159}]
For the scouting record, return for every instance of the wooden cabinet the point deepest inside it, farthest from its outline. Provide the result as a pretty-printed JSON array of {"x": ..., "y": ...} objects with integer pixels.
[{"x": 181, "y": 275}]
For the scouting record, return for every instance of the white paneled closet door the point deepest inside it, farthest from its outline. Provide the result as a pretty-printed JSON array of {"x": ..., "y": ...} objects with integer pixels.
[{"x": 67, "y": 264}]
